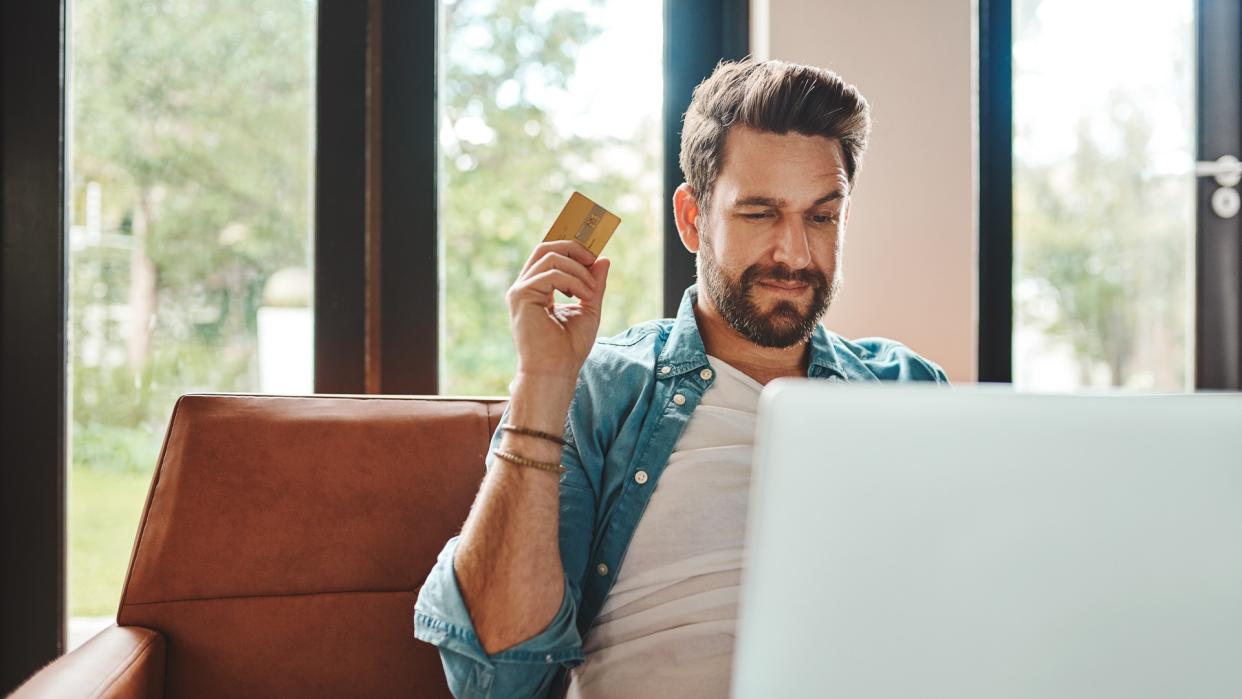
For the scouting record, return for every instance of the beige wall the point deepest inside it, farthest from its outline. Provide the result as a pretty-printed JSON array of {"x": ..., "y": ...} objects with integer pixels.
[{"x": 910, "y": 261}]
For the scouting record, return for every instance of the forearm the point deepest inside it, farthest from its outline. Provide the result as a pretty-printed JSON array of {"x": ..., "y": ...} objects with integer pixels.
[{"x": 508, "y": 561}]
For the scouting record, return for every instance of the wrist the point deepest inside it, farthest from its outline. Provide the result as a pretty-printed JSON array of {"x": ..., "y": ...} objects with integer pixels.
[
  {"x": 540, "y": 402},
  {"x": 557, "y": 387}
]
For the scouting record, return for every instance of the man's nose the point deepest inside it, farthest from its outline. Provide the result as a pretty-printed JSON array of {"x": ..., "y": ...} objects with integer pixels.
[{"x": 793, "y": 248}]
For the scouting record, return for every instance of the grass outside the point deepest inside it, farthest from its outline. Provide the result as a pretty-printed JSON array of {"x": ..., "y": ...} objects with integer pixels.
[{"x": 104, "y": 508}]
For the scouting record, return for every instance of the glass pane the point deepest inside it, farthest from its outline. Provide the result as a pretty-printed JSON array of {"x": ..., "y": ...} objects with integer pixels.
[
  {"x": 190, "y": 242},
  {"x": 1104, "y": 195},
  {"x": 539, "y": 98}
]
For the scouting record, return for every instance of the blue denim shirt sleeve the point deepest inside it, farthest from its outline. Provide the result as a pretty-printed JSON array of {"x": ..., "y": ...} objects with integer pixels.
[{"x": 524, "y": 670}]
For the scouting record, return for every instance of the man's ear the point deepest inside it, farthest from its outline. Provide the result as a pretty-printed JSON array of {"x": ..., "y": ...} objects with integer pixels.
[{"x": 686, "y": 215}]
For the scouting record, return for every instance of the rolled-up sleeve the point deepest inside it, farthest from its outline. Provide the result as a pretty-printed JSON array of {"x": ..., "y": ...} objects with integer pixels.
[{"x": 524, "y": 670}]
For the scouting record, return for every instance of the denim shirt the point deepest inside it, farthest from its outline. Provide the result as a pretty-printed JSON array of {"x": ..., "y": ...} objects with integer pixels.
[{"x": 634, "y": 395}]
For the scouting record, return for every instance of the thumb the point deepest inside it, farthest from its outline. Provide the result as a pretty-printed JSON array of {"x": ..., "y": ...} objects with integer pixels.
[{"x": 599, "y": 271}]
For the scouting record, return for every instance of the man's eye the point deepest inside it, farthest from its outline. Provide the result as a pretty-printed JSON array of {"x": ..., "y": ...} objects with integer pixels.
[
  {"x": 756, "y": 217},
  {"x": 823, "y": 218}
]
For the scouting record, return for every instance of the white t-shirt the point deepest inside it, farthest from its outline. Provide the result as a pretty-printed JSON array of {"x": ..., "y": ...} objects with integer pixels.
[{"x": 667, "y": 627}]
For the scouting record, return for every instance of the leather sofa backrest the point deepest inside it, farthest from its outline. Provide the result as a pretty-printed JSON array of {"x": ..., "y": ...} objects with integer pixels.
[{"x": 285, "y": 538}]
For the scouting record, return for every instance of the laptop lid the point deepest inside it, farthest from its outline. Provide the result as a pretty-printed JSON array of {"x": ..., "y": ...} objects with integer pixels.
[{"x": 918, "y": 541}]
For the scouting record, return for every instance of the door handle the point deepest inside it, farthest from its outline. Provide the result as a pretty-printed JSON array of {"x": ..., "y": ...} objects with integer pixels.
[{"x": 1227, "y": 171}]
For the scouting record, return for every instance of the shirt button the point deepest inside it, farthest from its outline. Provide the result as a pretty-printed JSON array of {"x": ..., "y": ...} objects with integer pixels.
[
  {"x": 706, "y": 374},
  {"x": 679, "y": 399},
  {"x": 602, "y": 569},
  {"x": 665, "y": 369},
  {"x": 640, "y": 477},
  {"x": 548, "y": 658}
]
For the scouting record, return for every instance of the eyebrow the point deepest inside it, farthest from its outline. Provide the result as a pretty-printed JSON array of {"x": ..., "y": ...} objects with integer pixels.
[{"x": 777, "y": 202}]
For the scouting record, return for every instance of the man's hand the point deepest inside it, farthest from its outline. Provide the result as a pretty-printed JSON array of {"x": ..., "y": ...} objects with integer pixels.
[{"x": 553, "y": 340}]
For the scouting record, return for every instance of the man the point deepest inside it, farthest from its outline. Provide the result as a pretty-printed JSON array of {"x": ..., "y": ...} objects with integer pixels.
[{"x": 591, "y": 579}]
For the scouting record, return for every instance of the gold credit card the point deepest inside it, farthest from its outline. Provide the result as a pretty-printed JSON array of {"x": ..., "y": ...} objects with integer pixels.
[{"x": 584, "y": 221}]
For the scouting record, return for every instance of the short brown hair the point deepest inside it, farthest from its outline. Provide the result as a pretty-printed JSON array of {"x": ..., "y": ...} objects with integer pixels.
[{"x": 772, "y": 96}]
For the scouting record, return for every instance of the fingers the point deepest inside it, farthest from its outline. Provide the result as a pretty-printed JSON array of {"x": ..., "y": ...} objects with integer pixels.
[
  {"x": 565, "y": 266},
  {"x": 569, "y": 248},
  {"x": 539, "y": 287},
  {"x": 555, "y": 260}
]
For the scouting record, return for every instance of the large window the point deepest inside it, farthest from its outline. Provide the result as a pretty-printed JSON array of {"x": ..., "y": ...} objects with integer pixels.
[
  {"x": 1104, "y": 193},
  {"x": 537, "y": 99},
  {"x": 242, "y": 197},
  {"x": 190, "y": 165}
]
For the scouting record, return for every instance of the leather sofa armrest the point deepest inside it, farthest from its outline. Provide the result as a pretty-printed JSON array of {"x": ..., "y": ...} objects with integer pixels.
[{"x": 120, "y": 662}]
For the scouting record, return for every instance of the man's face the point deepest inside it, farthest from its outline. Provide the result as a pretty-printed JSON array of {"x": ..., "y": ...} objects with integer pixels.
[{"x": 770, "y": 241}]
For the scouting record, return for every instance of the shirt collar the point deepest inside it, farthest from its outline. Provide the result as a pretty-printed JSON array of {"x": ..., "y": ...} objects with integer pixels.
[{"x": 684, "y": 351}]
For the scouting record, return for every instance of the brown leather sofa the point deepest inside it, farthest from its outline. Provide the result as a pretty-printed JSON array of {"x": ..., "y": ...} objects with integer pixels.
[{"x": 282, "y": 546}]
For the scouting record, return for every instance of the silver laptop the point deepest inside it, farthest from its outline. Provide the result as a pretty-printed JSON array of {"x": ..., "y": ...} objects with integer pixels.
[{"x": 918, "y": 541}]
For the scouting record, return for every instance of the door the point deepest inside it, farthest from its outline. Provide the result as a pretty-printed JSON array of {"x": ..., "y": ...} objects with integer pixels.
[{"x": 1125, "y": 205}]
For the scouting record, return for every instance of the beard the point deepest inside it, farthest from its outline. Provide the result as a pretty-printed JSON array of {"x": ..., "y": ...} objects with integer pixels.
[{"x": 785, "y": 324}]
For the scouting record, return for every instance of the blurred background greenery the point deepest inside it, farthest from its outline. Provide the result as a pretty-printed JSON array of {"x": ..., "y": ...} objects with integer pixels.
[
  {"x": 1104, "y": 195},
  {"x": 517, "y": 135}
]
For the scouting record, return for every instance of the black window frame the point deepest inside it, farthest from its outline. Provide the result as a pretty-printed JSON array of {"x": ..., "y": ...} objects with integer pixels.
[
  {"x": 32, "y": 337},
  {"x": 995, "y": 282},
  {"x": 705, "y": 32},
  {"x": 1218, "y": 242}
]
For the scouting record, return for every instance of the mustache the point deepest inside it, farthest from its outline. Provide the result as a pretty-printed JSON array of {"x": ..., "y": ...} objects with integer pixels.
[{"x": 782, "y": 273}]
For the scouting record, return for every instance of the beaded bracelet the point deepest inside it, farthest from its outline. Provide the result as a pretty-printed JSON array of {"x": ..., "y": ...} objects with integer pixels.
[
  {"x": 523, "y": 461},
  {"x": 532, "y": 433}
]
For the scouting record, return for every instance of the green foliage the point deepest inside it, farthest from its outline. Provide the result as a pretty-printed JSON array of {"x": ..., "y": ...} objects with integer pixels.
[
  {"x": 113, "y": 448},
  {"x": 506, "y": 65},
  {"x": 1103, "y": 236},
  {"x": 1099, "y": 237},
  {"x": 194, "y": 119},
  {"x": 199, "y": 112}
]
